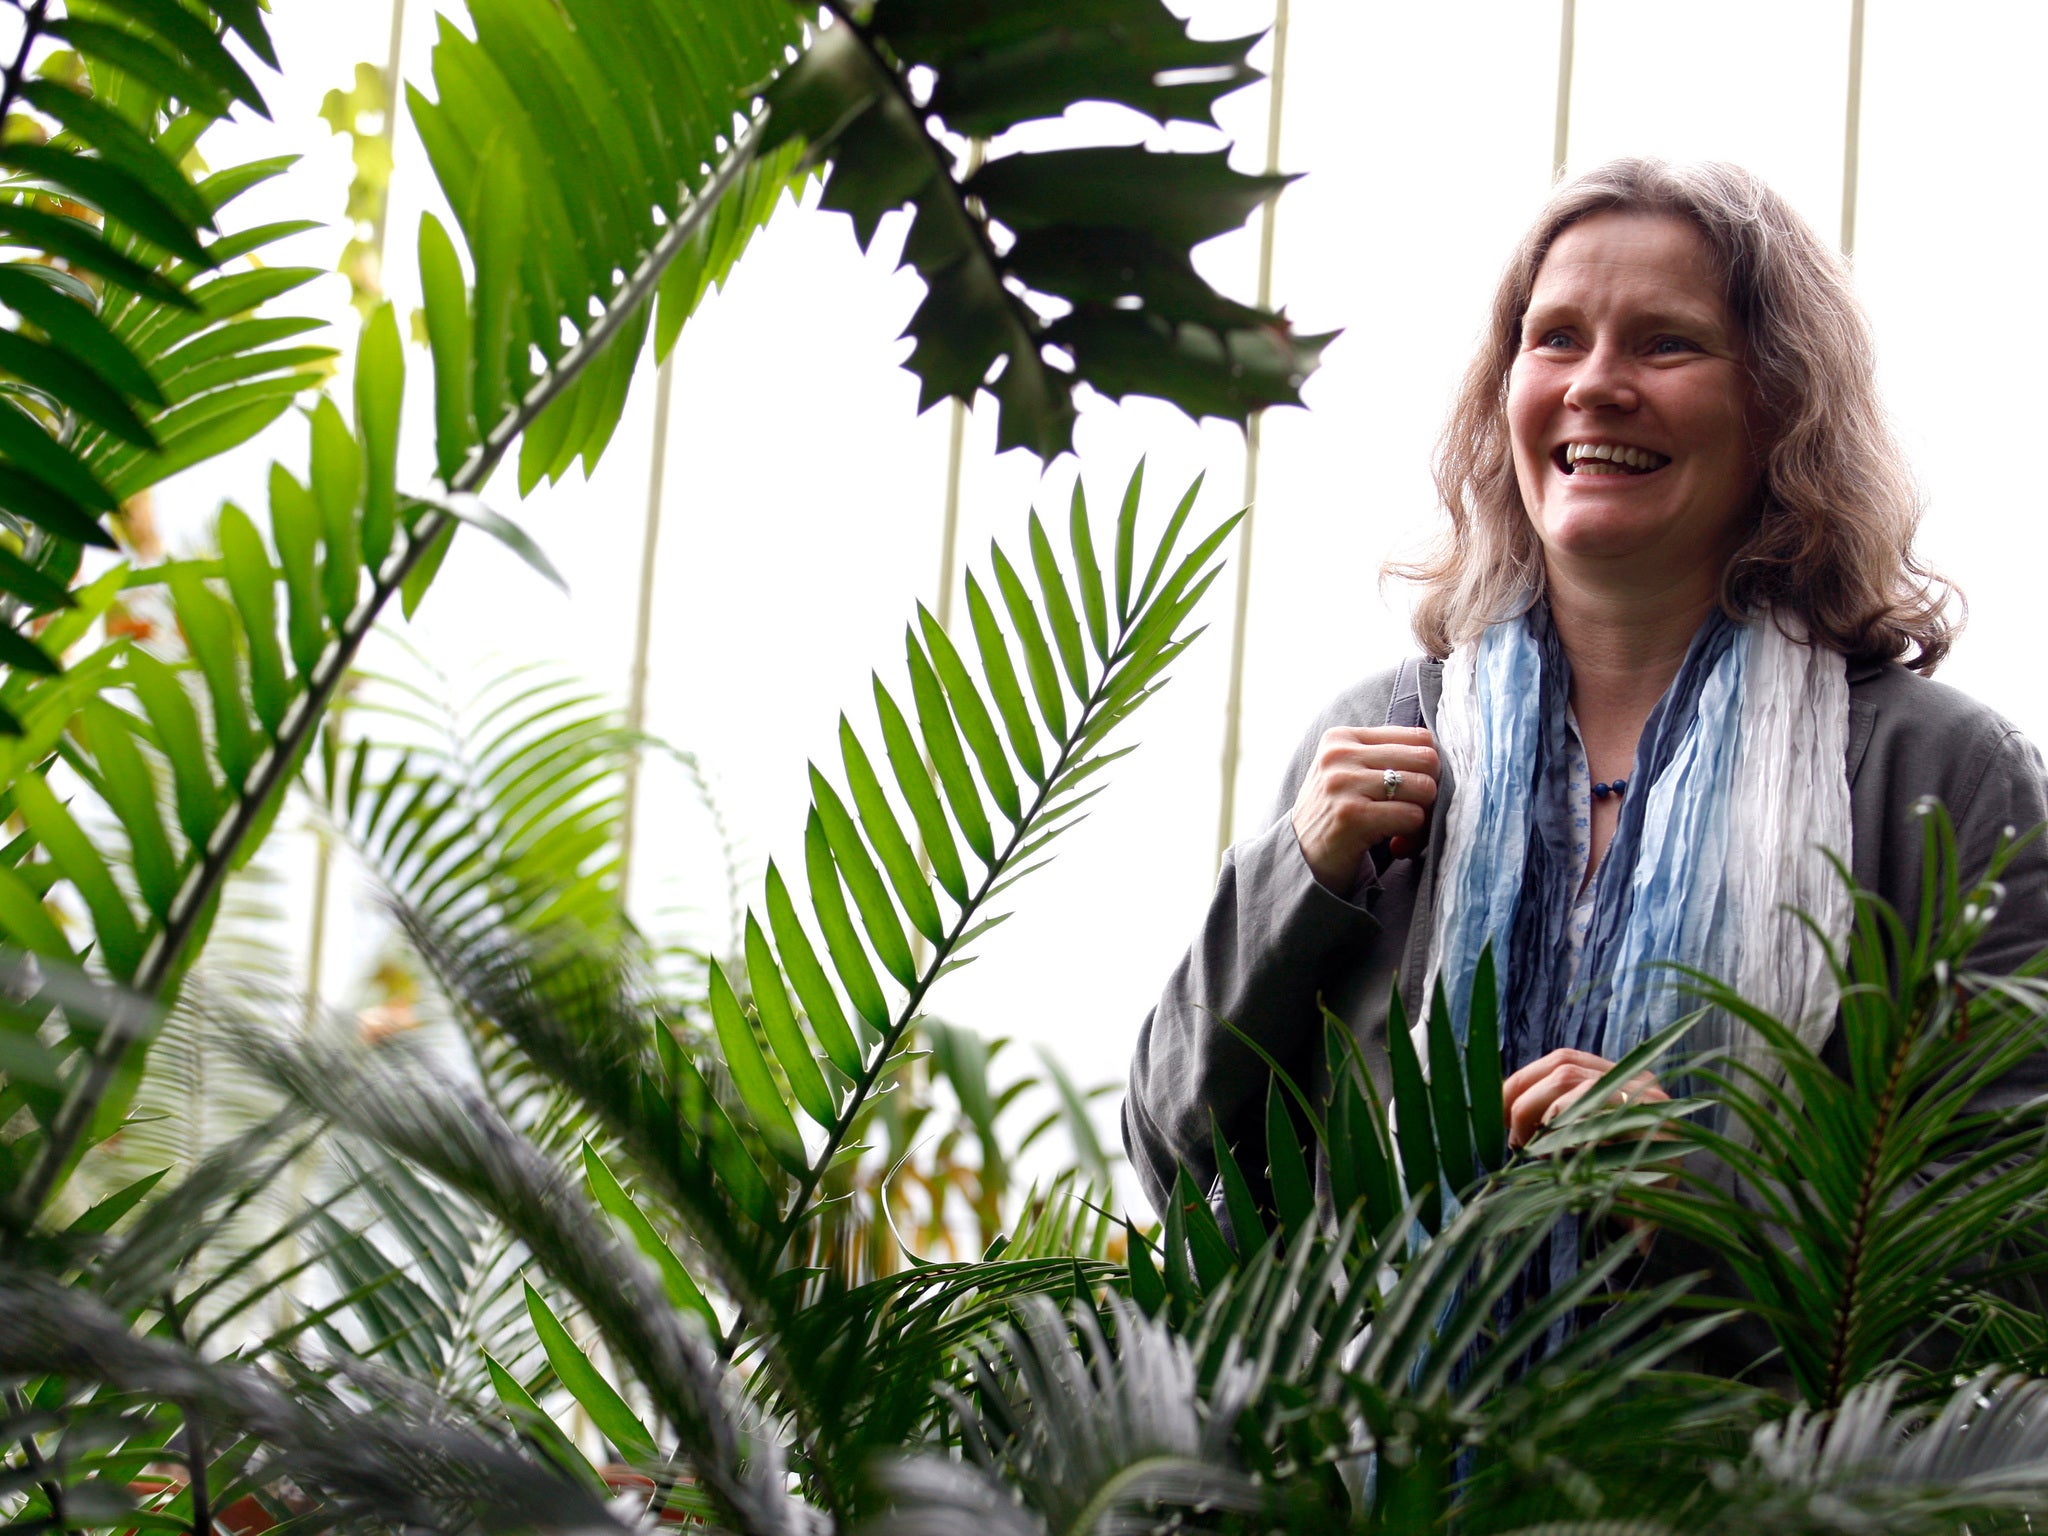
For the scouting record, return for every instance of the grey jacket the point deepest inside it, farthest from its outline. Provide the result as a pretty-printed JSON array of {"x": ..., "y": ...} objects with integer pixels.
[{"x": 1274, "y": 939}]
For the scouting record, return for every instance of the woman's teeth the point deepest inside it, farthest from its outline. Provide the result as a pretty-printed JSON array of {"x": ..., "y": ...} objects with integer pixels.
[{"x": 1610, "y": 459}]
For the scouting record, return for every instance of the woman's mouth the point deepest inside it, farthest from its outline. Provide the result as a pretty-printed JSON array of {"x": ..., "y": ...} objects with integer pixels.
[{"x": 1607, "y": 459}]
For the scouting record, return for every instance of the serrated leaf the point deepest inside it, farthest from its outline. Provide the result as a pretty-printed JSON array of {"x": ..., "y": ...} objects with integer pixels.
[
  {"x": 598, "y": 1397},
  {"x": 1483, "y": 1065},
  {"x": 1247, "y": 1225},
  {"x": 1412, "y": 1130},
  {"x": 498, "y": 216},
  {"x": 611, "y": 1197},
  {"x": 1447, "y": 1098},
  {"x": 1294, "y": 1194}
]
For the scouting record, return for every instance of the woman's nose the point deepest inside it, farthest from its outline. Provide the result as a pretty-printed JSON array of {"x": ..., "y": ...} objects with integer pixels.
[{"x": 1604, "y": 380}]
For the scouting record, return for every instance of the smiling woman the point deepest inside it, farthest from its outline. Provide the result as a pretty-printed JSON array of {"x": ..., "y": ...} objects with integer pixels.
[{"x": 1663, "y": 689}]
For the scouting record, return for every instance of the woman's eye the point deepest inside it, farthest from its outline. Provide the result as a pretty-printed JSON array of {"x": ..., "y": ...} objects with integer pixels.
[
  {"x": 1673, "y": 344},
  {"x": 1554, "y": 339}
]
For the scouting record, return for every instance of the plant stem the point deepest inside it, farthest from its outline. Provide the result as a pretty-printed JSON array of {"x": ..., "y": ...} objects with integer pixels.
[
  {"x": 1233, "y": 705},
  {"x": 1852, "y": 129},
  {"x": 1859, "y": 1221},
  {"x": 1567, "y": 51},
  {"x": 279, "y": 764},
  {"x": 1026, "y": 829},
  {"x": 52, "y": 1487},
  {"x": 32, "y": 18},
  {"x": 643, "y": 626}
]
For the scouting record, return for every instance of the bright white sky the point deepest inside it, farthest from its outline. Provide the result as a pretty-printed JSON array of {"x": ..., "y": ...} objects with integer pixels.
[{"x": 804, "y": 506}]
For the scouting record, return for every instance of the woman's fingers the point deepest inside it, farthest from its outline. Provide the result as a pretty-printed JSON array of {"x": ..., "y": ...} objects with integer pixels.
[
  {"x": 1537, "y": 1094},
  {"x": 1365, "y": 784}
]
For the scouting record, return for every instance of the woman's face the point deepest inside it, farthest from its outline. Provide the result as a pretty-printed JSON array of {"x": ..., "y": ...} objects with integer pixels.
[{"x": 1627, "y": 406}]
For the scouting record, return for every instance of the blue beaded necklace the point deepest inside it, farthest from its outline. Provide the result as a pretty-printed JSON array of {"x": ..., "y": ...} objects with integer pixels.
[{"x": 1617, "y": 788}]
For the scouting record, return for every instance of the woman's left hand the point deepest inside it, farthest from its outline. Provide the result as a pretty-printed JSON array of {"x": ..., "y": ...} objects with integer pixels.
[{"x": 1544, "y": 1089}]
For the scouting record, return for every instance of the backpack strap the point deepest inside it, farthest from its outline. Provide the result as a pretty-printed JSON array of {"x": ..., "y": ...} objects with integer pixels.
[{"x": 1405, "y": 707}]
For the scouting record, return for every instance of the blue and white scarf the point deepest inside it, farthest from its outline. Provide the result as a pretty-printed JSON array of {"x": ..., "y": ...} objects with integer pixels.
[{"x": 1738, "y": 796}]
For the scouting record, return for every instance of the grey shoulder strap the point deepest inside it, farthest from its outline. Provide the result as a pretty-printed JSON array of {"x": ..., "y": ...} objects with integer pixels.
[{"x": 1405, "y": 707}]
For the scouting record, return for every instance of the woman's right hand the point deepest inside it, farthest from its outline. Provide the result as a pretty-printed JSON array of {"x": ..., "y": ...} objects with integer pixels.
[{"x": 1343, "y": 812}]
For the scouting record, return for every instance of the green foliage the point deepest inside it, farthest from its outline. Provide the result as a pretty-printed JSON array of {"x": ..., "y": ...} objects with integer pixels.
[
  {"x": 1895, "y": 1212},
  {"x": 1100, "y": 236}
]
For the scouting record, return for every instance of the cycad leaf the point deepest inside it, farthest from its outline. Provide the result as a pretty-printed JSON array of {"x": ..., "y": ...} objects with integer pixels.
[
  {"x": 499, "y": 218},
  {"x": 74, "y": 327},
  {"x": 807, "y": 976},
  {"x": 210, "y": 633},
  {"x": 1038, "y": 662},
  {"x": 131, "y": 792},
  {"x": 1294, "y": 1195},
  {"x": 1483, "y": 1067},
  {"x": 785, "y": 1036},
  {"x": 1167, "y": 540},
  {"x": 849, "y": 959},
  {"x": 72, "y": 386},
  {"x": 1002, "y": 683},
  {"x": 1246, "y": 1224},
  {"x": 178, "y": 732},
  {"x": 877, "y": 914},
  {"x": 1447, "y": 1098},
  {"x": 1059, "y": 609},
  {"x": 253, "y": 583},
  {"x": 1087, "y": 573},
  {"x": 1412, "y": 1129},
  {"x": 891, "y": 846},
  {"x": 529, "y": 1417},
  {"x": 337, "y": 489},
  {"x": 915, "y": 781},
  {"x": 1127, "y": 541},
  {"x": 612, "y": 1197},
  {"x": 935, "y": 721},
  {"x": 449, "y": 335},
  {"x": 113, "y": 190},
  {"x": 295, "y": 525},
  {"x": 975, "y": 722},
  {"x": 380, "y": 392},
  {"x": 598, "y": 1397},
  {"x": 114, "y": 927}
]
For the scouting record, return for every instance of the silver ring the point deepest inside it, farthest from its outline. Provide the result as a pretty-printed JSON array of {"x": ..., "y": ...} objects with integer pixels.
[{"x": 1390, "y": 783}]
